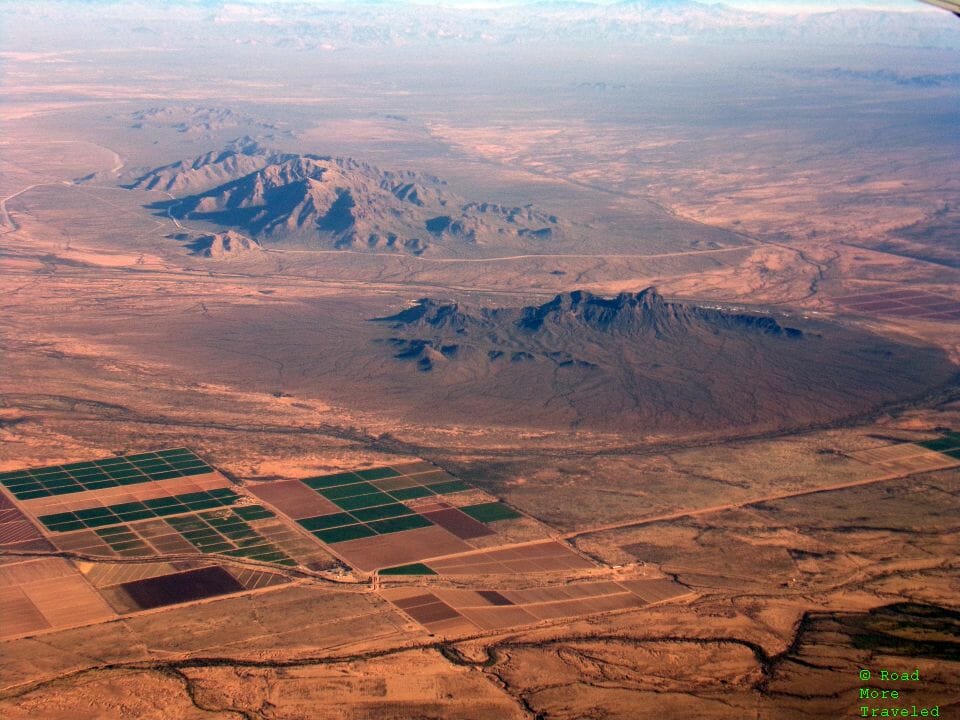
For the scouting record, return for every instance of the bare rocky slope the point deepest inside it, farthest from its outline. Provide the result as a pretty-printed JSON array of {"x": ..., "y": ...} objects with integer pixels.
[
  {"x": 640, "y": 361},
  {"x": 336, "y": 203}
]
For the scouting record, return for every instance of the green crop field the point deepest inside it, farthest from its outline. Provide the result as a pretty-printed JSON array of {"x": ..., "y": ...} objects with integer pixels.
[
  {"x": 490, "y": 512},
  {"x": 98, "y": 474}
]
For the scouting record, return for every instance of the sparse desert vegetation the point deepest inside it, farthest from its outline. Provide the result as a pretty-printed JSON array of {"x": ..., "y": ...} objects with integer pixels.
[{"x": 399, "y": 362}]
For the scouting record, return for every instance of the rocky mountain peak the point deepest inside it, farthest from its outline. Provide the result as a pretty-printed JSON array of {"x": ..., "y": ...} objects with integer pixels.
[{"x": 319, "y": 201}]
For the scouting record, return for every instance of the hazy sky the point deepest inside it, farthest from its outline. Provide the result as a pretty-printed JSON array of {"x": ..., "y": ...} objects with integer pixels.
[
  {"x": 770, "y": 5},
  {"x": 826, "y": 4}
]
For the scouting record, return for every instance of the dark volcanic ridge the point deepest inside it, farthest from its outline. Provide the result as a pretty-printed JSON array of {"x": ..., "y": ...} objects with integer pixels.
[
  {"x": 578, "y": 316},
  {"x": 642, "y": 312},
  {"x": 638, "y": 359},
  {"x": 335, "y": 203}
]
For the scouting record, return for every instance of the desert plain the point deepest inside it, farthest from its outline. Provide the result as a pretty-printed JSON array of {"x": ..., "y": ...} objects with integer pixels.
[{"x": 352, "y": 382}]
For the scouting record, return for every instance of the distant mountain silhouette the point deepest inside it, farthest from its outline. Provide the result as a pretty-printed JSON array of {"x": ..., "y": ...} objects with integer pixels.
[{"x": 195, "y": 120}]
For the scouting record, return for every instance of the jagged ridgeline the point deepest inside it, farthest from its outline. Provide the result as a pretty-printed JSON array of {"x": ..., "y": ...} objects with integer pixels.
[
  {"x": 639, "y": 358},
  {"x": 335, "y": 203}
]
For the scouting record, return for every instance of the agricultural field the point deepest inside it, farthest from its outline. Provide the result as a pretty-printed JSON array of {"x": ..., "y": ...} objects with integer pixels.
[
  {"x": 521, "y": 360},
  {"x": 904, "y": 458},
  {"x": 451, "y": 611},
  {"x": 172, "y": 513},
  {"x": 168, "y": 504},
  {"x": 380, "y": 517},
  {"x": 904, "y": 304},
  {"x": 462, "y": 569}
]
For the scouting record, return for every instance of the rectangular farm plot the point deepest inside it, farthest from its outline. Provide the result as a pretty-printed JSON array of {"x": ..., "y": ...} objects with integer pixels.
[
  {"x": 225, "y": 530},
  {"x": 304, "y": 549},
  {"x": 406, "y": 600},
  {"x": 378, "y": 520},
  {"x": 43, "y": 593},
  {"x": 118, "y": 471},
  {"x": 325, "y": 522},
  {"x": 886, "y": 453},
  {"x": 548, "y": 556},
  {"x": 413, "y": 467},
  {"x": 923, "y": 463},
  {"x": 387, "y": 517},
  {"x": 23, "y": 571},
  {"x": 884, "y": 294},
  {"x": 493, "y": 597},
  {"x": 17, "y": 533},
  {"x": 172, "y": 509},
  {"x": 344, "y": 534},
  {"x": 942, "y": 444},
  {"x": 94, "y": 517},
  {"x": 399, "y": 524},
  {"x": 380, "y": 486},
  {"x": 395, "y": 483},
  {"x": 148, "y": 491},
  {"x": 142, "y": 492},
  {"x": 124, "y": 541},
  {"x": 377, "y": 473},
  {"x": 490, "y": 512},
  {"x": 411, "y": 569},
  {"x": 160, "y": 535},
  {"x": 330, "y": 481},
  {"x": 903, "y": 303},
  {"x": 412, "y": 493},
  {"x": 83, "y": 542},
  {"x": 458, "y": 523},
  {"x": 252, "y": 512},
  {"x": 876, "y": 305},
  {"x": 449, "y": 486},
  {"x": 358, "y": 502},
  {"x": 68, "y": 601},
  {"x": 431, "y": 612},
  {"x": 496, "y": 618},
  {"x": 590, "y": 606},
  {"x": 105, "y": 574},
  {"x": 656, "y": 590},
  {"x": 293, "y": 499},
  {"x": 428, "y": 505},
  {"x": 15, "y": 528},
  {"x": 562, "y": 593},
  {"x": 20, "y": 615},
  {"x": 433, "y": 477},
  {"x": 346, "y": 491},
  {"x": 399, "y": 548},
  {"x": 123, "y": 586},
  {"x": 909, "y": 458},
  {"x": 181, "y": 587},
  {"x": 381, "y": 512},
  {"x": 501, "y": 609}
]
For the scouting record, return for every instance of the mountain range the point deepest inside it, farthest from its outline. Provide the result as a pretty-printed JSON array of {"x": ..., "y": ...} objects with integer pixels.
[
  {"x": 640, "y": 360},
  {"x": 318, "y": 202},
  {"x": 331, "y": 26}
]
